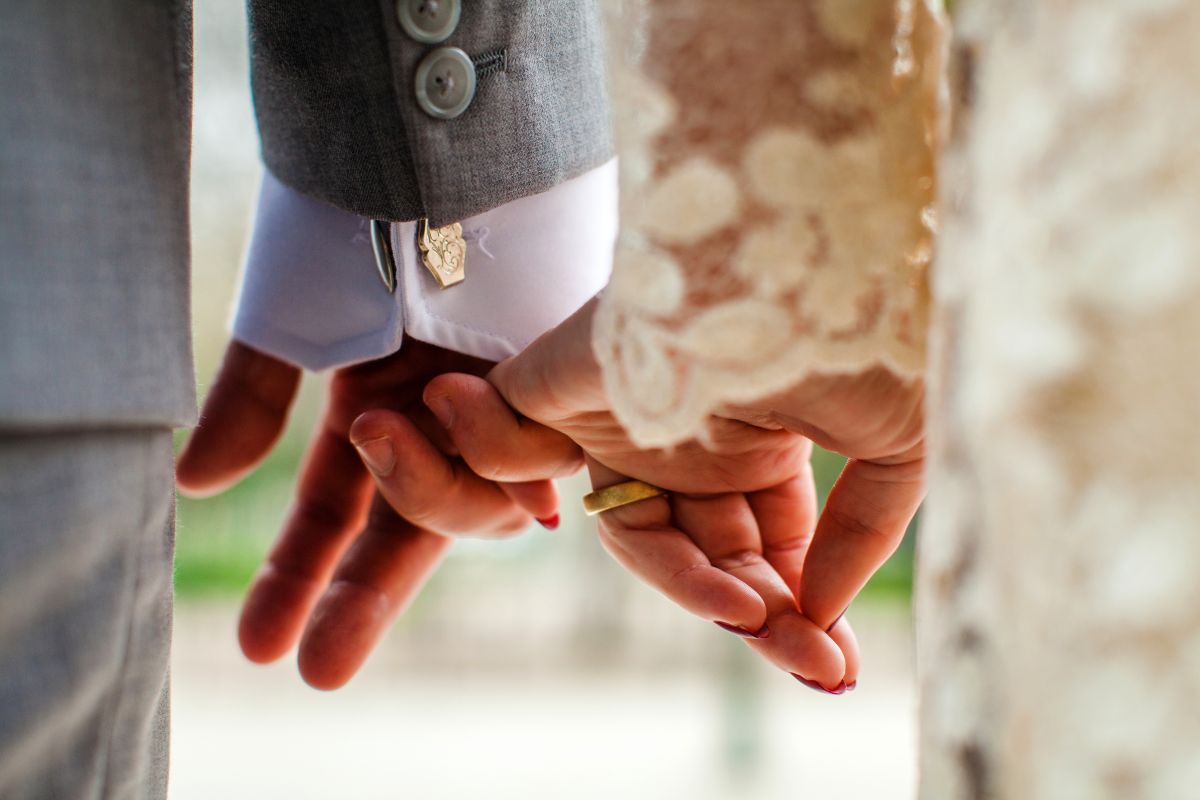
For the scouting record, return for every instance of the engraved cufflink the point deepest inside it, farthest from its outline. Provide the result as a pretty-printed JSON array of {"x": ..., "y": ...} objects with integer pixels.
[{"x": 443, "y": 251}]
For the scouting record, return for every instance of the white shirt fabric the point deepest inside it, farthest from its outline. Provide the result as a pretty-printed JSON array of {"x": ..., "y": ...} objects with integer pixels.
[{"x": 311, "y": 294}]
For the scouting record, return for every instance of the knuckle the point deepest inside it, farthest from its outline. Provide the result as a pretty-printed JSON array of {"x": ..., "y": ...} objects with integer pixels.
[
  {"x": 738, "y": 559},
  {"x": 414, "y": 498},
  {"x": 421, "y": 508},
  {"x": 857, "y": 527},
  {"x": 488, "y": 466},
  {"x": 684, "y": 574},
  {"x": 791, "y": 544}
]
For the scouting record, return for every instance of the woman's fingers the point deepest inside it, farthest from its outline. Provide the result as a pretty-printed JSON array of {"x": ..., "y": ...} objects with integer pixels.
[
  {"x": 864, "y": 520},
  {"x": 643, "y": 538},
  {"x": 242, "y": 418},
  {"x": 786, "y": 516},
  {"x": 495, "y": 442},
  {"x": 375, "y": 582},
  {"x": 331, "y": 503},
  {"x": 725, "y": 529}
]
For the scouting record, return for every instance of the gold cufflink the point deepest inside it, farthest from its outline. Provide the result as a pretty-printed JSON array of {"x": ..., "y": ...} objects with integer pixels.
[{"x": 443, "y": 251}]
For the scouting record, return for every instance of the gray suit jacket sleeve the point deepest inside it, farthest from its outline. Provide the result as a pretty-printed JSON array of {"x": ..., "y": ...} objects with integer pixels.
[
  {"x": 94, "y": 166},
  {"x": 335, "y": 98},
  {"x": 94, "y": 141}
]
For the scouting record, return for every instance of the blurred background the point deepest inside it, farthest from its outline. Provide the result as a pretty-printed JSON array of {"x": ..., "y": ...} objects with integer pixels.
[{"x": 533, "y": 668}]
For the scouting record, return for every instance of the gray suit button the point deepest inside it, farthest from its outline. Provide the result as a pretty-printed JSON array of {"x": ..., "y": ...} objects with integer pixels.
[
  {"x": 445, "y": 83},
  {"x": 428, "y": 21}
]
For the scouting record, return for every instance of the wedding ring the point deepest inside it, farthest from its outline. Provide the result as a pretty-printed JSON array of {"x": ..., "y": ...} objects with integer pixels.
[{"x": 622, "y": 494}]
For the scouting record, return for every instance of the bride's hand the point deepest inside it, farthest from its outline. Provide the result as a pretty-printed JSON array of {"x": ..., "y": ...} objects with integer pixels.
[{"x": 737, "y": 541}]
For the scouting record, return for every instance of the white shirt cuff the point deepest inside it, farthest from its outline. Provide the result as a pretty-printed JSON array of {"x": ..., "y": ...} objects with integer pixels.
[{"x": 311, "y": 294}]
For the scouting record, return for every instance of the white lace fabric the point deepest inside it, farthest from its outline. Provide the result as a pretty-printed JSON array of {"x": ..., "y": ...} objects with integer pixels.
[{"x": 777, "y": 199}]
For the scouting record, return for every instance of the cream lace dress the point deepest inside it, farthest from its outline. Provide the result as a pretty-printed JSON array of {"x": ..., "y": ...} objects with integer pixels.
[
  {"x": 777, "y": 220},
  {"x": 777, "y": 199}
]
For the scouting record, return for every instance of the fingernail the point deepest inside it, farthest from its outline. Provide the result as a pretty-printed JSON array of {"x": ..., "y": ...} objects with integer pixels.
[
  {"x": 850, "y": 687},
  {"x": 378, "y": 455},
  {"x": 550, "y": 523},
  {"x": 839, "y": 689},
  {"x": 737, "y": 630},
  {"x": 442, "y": 408}
]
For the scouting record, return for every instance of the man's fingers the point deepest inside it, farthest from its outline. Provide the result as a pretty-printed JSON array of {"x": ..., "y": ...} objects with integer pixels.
[
  {"x": 242, "y": 418},
  {"x": 330, "y": 508},
  {"x": 377, "y": 579},
  {"x": 427, "y": 488},
  {"x": 494, "y": 441},
  {"x": 863, "y": 522}
]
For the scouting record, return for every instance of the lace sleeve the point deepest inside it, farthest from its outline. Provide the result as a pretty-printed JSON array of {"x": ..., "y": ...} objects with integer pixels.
[{"x": 777, "y": 189}]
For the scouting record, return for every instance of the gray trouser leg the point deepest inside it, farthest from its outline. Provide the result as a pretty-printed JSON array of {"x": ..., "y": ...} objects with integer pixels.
[{"x": 86, "y": 542}]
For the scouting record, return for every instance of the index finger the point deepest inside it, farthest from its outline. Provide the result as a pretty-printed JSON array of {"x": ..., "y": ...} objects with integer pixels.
[{"x": 864, "y": 520}]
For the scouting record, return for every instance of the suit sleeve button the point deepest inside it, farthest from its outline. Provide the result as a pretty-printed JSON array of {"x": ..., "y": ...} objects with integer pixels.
[
  {"x": 445, "y": 83},
  {"x": 428, "y": 21}
]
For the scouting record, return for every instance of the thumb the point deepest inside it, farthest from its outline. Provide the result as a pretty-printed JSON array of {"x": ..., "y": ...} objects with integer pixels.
[
  {"x": 556, "y": 376},
  {"x": 241, "y": 420}
]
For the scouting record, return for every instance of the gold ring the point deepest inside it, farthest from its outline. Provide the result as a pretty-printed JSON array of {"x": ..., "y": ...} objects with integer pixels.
[{"x": 622, "y": 494}]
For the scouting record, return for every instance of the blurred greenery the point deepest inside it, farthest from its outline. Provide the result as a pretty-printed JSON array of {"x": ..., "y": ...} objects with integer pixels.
[{"x": 221, "y": 540}]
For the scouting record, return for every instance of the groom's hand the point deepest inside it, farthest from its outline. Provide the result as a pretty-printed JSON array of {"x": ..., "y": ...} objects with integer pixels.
[{"x": 346, "y": 563}]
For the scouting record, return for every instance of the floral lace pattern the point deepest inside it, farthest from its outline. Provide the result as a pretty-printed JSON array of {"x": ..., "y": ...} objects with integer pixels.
[{"x": 777, "y": 199}]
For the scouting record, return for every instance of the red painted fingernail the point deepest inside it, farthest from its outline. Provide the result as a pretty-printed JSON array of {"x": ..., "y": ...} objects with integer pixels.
[
  {"x": 549, "y": 523},
  {"x": 762, "y": 633},
  {"x": 850, "y": 687},
  {"x": 839, "y": 689}
]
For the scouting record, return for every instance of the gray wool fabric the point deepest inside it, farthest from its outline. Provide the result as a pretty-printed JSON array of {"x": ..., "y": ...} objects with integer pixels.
[
  {"x": 94, "y": 146},
  {"x": 86, "y": 537},
  {"x": 333, "y": 91},
  {"x": 95, "y": 369}
]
